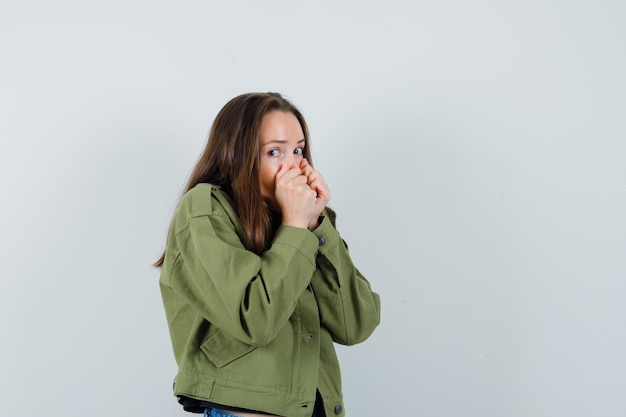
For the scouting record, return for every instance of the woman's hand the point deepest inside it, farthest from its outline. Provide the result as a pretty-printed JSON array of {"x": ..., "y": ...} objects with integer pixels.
[
  {"x": 296, "y": 198},
  {"x": 317, "y": 184}
]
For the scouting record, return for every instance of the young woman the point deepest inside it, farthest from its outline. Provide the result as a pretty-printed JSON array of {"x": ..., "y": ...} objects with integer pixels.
[{"x": 256, "y": 281}]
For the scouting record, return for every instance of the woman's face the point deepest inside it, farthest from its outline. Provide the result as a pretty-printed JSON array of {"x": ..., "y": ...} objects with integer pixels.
[{"x": 282, "y": 143}]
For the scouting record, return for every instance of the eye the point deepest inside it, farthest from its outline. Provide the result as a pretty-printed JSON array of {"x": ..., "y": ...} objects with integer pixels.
[
  {"x": 273, "y": 152},
  {"x": 299, "y": 151}
]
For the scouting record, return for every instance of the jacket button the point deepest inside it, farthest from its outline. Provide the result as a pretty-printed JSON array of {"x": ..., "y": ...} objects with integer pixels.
[
  {"x": 321, "y": 241},
  {"x": 338, "y": 409}
]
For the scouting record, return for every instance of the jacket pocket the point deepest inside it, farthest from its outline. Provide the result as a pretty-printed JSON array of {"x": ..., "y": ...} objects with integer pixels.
[{"x": 222, "y": 349}]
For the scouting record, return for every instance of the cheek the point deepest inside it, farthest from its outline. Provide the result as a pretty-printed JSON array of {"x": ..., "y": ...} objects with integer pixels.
[{"x": 267, "y": 176}]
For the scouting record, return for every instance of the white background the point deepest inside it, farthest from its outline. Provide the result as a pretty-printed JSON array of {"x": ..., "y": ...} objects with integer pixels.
[{"x": 477, "y": 156}]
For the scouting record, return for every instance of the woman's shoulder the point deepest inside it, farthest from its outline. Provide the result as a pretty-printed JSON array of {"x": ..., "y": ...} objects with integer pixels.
[{"x": 205, "y": 199}]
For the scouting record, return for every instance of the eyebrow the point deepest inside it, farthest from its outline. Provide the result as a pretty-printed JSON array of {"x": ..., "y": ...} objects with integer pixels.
[{"x": 281, "y": 141}]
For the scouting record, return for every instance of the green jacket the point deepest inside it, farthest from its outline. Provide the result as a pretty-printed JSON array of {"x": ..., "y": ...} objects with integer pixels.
[{"x": 256, "y": 331}]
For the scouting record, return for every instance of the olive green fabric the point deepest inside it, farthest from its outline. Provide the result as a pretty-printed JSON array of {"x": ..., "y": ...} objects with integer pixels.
[{"x": 255, "y": 331}]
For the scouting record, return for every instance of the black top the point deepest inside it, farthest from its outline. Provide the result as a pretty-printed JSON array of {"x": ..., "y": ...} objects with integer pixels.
[{"x": 198, "y": 406}]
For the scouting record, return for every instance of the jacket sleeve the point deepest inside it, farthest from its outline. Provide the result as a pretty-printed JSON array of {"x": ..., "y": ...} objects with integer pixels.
[
  {"x": 349, "y": 308},
  {"x": 247, "y": 296}
]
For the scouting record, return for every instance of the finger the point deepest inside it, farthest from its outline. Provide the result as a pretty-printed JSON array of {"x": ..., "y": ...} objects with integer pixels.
[
  {"x": 317, "y": 182},
  {"x": 306, "y": 168},
  {"x": 299, "y": 180},
  {"x": 286, "y": 173},
  {"x": 313, "y": 176},
  {"x": 322, "y": 189},
  {"x": 281, "y": 172},
  {"x": 314, "y": 184}
]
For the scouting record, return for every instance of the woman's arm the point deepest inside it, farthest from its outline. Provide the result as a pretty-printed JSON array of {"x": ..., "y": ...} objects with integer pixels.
[
  {"x": 249, "y": 297},
  {"x": 349, "y": 308}
]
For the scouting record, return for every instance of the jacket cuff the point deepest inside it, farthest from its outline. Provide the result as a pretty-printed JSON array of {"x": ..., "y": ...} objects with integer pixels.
[
  {"x": 301, "y": 239},
  {"x": 327, "y": 235}
]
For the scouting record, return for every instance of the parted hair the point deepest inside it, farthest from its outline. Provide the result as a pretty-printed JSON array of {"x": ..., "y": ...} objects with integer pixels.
[{"x": 231, "y": 160}]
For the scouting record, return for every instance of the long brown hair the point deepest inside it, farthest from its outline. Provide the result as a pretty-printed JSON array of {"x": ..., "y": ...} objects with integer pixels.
[{"x": 231, "y": 160}]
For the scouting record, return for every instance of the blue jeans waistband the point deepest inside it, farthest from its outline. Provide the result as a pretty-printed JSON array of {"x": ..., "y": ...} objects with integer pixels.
[{"x": 217, "y": 413}]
